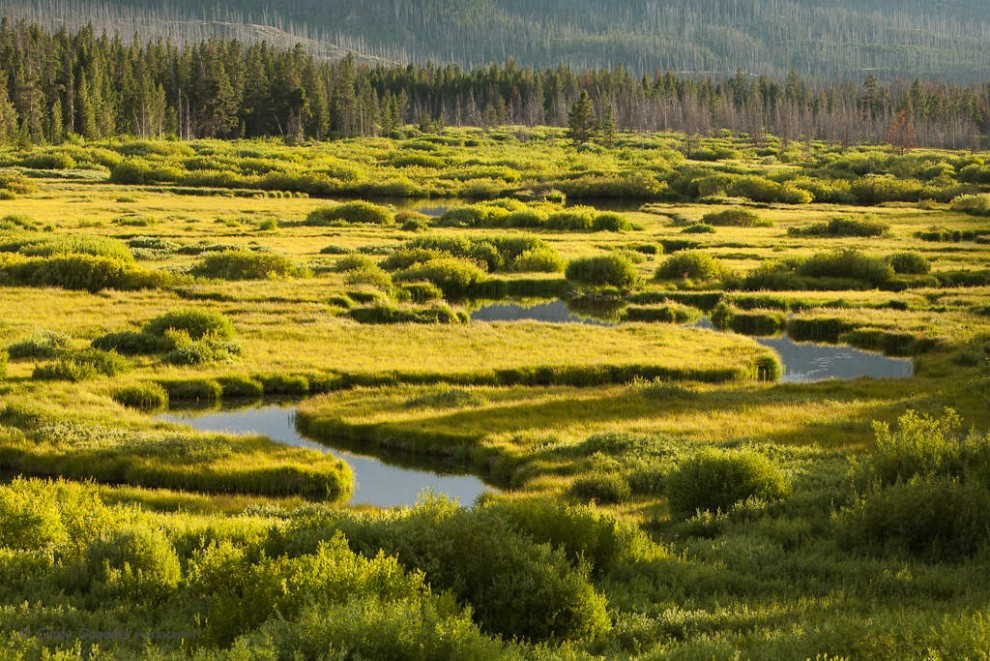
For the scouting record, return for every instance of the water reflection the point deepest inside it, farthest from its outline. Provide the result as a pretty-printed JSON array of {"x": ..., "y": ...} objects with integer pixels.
[
  {"x": 376, "y": 482},
  {"x": 803, "y": 362}
]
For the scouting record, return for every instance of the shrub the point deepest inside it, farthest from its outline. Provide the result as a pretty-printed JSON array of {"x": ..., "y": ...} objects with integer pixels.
[
  {"x": 923, "y": 490},
  {"x": 698, "y": 228},
  {"x": 603, "y": 270},
  {"x": 96, "y": 246},
  {"x": 669, "y": 313},
  {"x": 718, "y": 479},
  {"x": 526, "y": 218},
  {"x": 195, "y": 323},
  {"x": 145, "y": 396},
  {"x": 605, "y": 488},
  {"x": 246, "y": 265},
  {"x": 193, "y": 391},
  {"x": 84, "y": 272},
  {"x": 129, "y": 343},
  {"x": 354, "y": 262},
  {"x": 351, "y": 212},
  {"x": 974, "y": 205},
  {"x": 735, "y": 218},
  {"x": 538, "y": 260},
  {"x": 847, "y": 263},
  {"x": 285, "y": 384},
  {"x": 241, "y": 386},
  {"x": 843, "y": 227},
  {"x": 383, "y": 313},
  {"x": 42, "y": 345},
  {"x": 760, "y": 189},
  {"x": 208, "y": 349},
  {"x": 573, "y": 219},
  {"x": 691, "y": 265},
  {"x": 134, "y": 562},
  {"x": 81, "y": 365},
  {"x": 909, "y": 263},
  {"x": 3, "y": 364},
  {"x": 611, "y": 222},
  {"x": 876, "y": 189},
  {"x": 453, "y": 276}
]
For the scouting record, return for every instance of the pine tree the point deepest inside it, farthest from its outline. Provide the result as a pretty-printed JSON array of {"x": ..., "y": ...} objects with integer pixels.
[
  {"x": 581, "y": 120},
  {"x": 606, "y": 127}
]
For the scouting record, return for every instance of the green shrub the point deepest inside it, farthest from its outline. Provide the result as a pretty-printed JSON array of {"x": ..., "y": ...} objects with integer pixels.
[
  {"x": 453, "y": 276},
  {"x": 843, "y": 227},
  {"x": 421, "y": 292},
  {"x": 691, "y": 265},
  {"x": 246, "y": 265},
  {"x": 83, "y": 272},
  {"x": 876, "y": 189},
  {"x": 129, "y": 343},
  {"x": 698, "y": 228},
  {"x": 208, "y": 349},
  {"x": 241, "y": 386},
  {"x": 760, "y": 189},
  {"x": 573, "y": 219},
  {"x": 193, "y": 391},
  {"x": 974, "y": 205},
  {"x": 195, "y": 323},
  {"x": 446, "y": 397},
  {"x": 611, "y": 222},
  {"x": 525, "y": 218},
  {"x": 668, "y": 313},
  {"x": 285, "y": 384},
  {"x": 909, "y": 263},
  {"x": 3, "y": 364},
  {"x": 81, "y": 365},
  {"x": 145, "y": 396},
  {"x": 543, "y": 259},
  {"x": 718, "y": 479},
  {"x": 42, "y": 345},
  {"x": 59, "y": 246},
  {"x": 735, "y": 218},
  {"x": 384, "y": 313},
  {"x": 936, "y": 518},
  {"x": 605, "y": 488},
  {"x": 351, "y": 212},
  {"x": 847, "y": 263},
  {"x": 611, "y": 270},
  {"x": 135, "y": 562}
]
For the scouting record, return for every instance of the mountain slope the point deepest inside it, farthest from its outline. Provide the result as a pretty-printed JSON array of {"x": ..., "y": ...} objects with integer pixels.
[{"x": 818, "y": 38}]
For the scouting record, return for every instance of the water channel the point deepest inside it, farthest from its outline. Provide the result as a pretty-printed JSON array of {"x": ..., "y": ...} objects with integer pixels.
[
  {"x": 804, "y": 362},
  {"x": 376, "y": 482}
]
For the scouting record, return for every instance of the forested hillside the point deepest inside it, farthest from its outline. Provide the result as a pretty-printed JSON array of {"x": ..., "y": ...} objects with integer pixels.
[
  {"x": 64, "y": 83},
  {"x": 820, "y": 39}
]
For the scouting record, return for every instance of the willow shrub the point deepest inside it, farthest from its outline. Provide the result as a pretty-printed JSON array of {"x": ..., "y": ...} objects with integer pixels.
[
  {"x": 247, "y": 265},
  {"x": 611, "y": 270},
  {"x": 691, "y": 265},
  {"x": 352, "y": 212},
  {"x": 716, "y": 480}
]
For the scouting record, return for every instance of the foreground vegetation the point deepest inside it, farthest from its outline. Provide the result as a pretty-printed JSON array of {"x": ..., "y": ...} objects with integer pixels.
[{"x": 656, "y": 490}]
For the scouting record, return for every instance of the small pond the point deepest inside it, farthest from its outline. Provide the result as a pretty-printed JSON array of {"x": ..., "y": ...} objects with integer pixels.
[
  {"x": 376, "y": 482},
  {"x": 803, "y": 362}
]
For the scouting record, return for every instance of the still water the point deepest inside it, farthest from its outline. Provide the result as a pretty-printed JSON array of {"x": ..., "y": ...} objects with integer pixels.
[
  {"x": 803, "y": 362},
  {"x": 376, "y": 482}
]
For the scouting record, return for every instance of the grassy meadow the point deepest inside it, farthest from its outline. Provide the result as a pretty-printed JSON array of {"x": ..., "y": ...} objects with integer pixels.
[{"x": 657, "y": 490}]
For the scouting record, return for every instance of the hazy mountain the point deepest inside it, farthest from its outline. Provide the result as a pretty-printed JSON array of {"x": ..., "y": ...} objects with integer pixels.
[{"x": 818, "y": 38}]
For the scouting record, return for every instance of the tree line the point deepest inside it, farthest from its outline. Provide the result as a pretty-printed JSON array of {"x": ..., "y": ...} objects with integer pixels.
[{"x": 64, "y": 83}]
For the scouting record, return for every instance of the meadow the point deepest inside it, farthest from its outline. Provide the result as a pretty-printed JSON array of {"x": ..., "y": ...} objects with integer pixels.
[{"x": 658, "y": 491}]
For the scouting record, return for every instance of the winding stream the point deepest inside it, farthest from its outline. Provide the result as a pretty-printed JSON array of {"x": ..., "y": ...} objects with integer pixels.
[
  {"x": 803, "y": 362},
  {"x": 376, "y": 482}
]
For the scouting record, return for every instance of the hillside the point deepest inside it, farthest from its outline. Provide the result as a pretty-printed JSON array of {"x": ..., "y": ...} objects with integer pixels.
[{"x": 821, "y": 39}]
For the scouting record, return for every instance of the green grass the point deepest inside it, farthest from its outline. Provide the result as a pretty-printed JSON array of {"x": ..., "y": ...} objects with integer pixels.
[{"x": 655, "y": 499}]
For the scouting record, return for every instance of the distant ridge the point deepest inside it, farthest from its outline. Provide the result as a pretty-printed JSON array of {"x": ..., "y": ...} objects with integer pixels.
[{"x": 820, "y": 39}]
